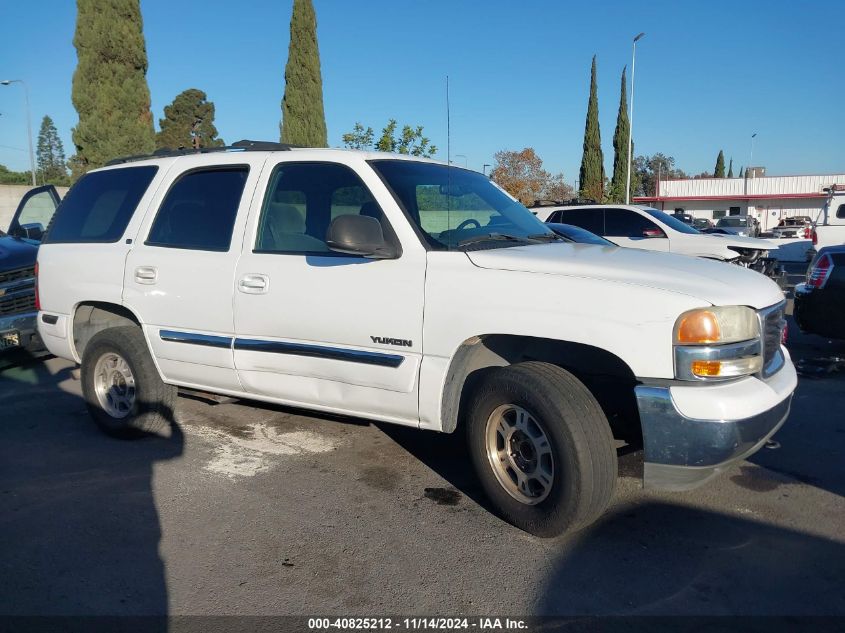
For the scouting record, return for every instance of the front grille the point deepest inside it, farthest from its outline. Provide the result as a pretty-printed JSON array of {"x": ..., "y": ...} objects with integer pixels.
[
  {"x": 15, "y": 275},
  {"x": 17, "y": 305},
  {"x": 772, "y": 323}
]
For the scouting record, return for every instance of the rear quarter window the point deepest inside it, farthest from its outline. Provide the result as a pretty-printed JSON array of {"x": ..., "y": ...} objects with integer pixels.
[{"x": 99, "y": 206}]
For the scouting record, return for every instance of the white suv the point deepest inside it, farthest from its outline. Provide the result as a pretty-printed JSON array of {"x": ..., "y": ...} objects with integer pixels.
[
  {"x": 412, "y": 292},
  {"x": 651, "y": 229}
]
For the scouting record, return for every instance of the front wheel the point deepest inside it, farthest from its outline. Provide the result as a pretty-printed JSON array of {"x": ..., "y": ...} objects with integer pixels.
[
  {"x": 122, "y": 388},
  {"x": 542, "y": 448}
]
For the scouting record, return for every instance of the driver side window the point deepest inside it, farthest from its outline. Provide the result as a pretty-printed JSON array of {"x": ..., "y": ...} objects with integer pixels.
[
  {"x": 625, "y": 223},
  {"x": 302, "y": 199}
]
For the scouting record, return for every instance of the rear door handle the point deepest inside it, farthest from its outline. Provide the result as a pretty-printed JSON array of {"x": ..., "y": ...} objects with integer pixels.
[
  {"x": 254, "y": 284},
  {"x": 146, "y": 275}
]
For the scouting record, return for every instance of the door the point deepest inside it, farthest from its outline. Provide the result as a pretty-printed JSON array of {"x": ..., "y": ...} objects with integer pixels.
[
  {"x": 179, "y": 275},
  {"x": 34, "y": 213},
  {"x": 321, "y": 329},
  {"x": 628, "y": 228}
]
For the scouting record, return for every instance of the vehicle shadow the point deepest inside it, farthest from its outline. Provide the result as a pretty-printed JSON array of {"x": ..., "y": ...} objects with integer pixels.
[
  {"x": 79, "y": 528},
  {"x": 665, "y": 559},
  {"x": 812, "y": 442}
]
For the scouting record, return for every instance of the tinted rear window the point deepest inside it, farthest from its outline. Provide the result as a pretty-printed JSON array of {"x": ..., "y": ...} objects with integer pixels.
[
  {"x": 200, "y": 209},
  {"x": 589, "y": 219},
  {"x": 98, "y": 207}
]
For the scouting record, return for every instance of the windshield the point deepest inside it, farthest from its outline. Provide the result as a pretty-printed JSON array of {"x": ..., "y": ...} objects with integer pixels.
[
  {"x": 731, "y": 222},
  {"x": 579, "y": 235},
  {"x": 672, "y": 223},
  {"x": 453, "y": 207}
]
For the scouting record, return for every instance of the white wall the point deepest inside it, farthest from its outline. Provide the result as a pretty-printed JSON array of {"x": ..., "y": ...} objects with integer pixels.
[
  {"x": 10, "y": 196},
  {"x": 768, "y": 212}
]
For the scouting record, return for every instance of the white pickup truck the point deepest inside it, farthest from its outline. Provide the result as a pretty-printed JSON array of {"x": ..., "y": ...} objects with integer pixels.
[
  {"x": 829, "y": 227},
  {"x": 408, "y": 291}
]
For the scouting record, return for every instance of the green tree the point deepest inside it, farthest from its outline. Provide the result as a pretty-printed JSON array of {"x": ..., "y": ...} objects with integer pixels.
[
  {"x": 189, "y": 119},
  {"x": 8, "y": 177},
  {"x": 742, "y": 172},
  {"x": 591, "y": 176},
  {"x": 303, "y": 119},
  {"x": 50, "y": 154},
  {"x": 359, "y": 138},
  {"x": 110, "y": 89},
  {"x": 410, "y": 141},
  {"x": 649, "y": 169},
  {"x": 719, "y": 172},
  {"x": 620, "y": 147}
]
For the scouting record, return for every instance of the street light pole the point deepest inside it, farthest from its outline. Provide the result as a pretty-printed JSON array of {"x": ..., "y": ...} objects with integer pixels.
[
  {"x": 6, "y": 82},
  {"x": 631, "y": 118},
  {"x": 484, "y": 168},
  {"x": 751, "y": 158}
]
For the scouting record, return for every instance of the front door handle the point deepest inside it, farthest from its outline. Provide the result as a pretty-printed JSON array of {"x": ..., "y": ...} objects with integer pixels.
[
  {"x": 146, "y": 275},
  {"x": 254, "y": 284}
]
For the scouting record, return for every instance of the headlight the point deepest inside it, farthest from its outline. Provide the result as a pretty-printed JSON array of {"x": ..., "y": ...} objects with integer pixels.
[{"x": 717, "y": 343}]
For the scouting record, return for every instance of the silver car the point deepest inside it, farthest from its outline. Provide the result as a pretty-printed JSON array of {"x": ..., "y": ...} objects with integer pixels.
[{"x": 739, "y": 225}]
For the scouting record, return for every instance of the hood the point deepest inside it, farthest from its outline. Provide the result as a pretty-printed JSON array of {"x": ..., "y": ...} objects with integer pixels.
[
  {"x": 16, "y": 253},
  {"x": 742, "y": 241},
  {"x": 715, "y": 282}
]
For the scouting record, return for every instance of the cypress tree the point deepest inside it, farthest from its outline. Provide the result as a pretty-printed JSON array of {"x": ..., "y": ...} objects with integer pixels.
[
  {"x": 591, "y": 175},
  {"x": 303, "y": 119},
  {"x": 731, "y": 168},
  {"x": 742, "y": 172},
  {"x": 110, "y": 90},
  {"x": 620, "y": 148},
  {"x": 720, "y": 166},
  {"x": 188, "y": 109},
  {"x": 50, "y": 154}
]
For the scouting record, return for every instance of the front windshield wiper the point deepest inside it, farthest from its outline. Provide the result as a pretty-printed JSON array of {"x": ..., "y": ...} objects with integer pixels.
[
  {"x": 546, "y": 237},
  {"x": 493, "y": 237}
]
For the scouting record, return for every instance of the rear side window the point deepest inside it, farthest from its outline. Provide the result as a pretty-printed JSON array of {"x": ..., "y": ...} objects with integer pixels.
[
  {"x": 99, "y": 206},
  {"x": 840, "y": 212},
  {"x": 199, "y": 211},
  {"x": 590, "y": 219}
]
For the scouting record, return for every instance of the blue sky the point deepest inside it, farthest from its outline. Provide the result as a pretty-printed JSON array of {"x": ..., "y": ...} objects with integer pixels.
[{"x": 708, "y": 74}]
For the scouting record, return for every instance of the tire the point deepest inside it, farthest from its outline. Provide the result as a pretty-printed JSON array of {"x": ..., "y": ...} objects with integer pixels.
[
  {"x": 131, "y": 400},
  {"x": 578, "y": 451}
]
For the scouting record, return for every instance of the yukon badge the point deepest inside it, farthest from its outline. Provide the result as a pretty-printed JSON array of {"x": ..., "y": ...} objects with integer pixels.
[{"x": 383, "y": 340}]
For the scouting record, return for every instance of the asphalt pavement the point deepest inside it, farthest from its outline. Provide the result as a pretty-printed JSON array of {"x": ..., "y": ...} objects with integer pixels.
[{"x": 252, "y": 509}]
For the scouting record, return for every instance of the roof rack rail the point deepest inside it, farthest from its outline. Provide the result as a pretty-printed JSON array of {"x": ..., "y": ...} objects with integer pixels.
[
  {"x": 244, "y": 145},
  {"x": 574, "y": 202}
]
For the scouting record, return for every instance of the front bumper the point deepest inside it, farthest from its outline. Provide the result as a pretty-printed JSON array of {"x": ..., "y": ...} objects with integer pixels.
[
  {"x": 683, "y": 451},
  {"x": 24, "y": 324}
]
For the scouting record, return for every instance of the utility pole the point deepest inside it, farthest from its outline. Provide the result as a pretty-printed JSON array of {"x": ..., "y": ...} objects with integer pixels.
[
  {"x": 631, "y": 119},
  {"x": 6, "y": 82}
]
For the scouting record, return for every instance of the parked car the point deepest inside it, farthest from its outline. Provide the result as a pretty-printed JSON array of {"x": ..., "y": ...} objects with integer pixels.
[
  {"x": 743, "y": 225},
  {"x": 798, "y": 226},
  {"x": 686, "y": 218},
  {"x": 412, "y": 292},
  {"x": 578, "y": 235},
  {"x": 651, "y": 229},
  {"x": 18, "y": 250},
  {"x": 829, "y": 227},
  {"x": 820, "y": 301},
  {"x": 702, "y": 223}
]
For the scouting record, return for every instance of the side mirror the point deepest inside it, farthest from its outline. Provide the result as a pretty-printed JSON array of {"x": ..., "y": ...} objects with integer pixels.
[
  {"x": 653, "y": 233},
  {"x": 358, "y": 235},
  {"x": 34, "y": 231}
]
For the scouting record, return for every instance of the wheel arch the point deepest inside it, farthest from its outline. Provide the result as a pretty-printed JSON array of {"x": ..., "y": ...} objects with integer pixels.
[
  {"x": 606, "y": 375},
  {"x": 92, "y": 317}
]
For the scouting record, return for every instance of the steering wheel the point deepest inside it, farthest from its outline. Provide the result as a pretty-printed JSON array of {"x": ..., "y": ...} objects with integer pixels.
[{"x": 466, "y": 223}]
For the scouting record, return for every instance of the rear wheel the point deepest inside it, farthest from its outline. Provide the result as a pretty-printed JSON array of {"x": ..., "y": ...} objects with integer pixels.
[
  {"x": 542, "y": 448},
  {"x": 122, "y": 388}
]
